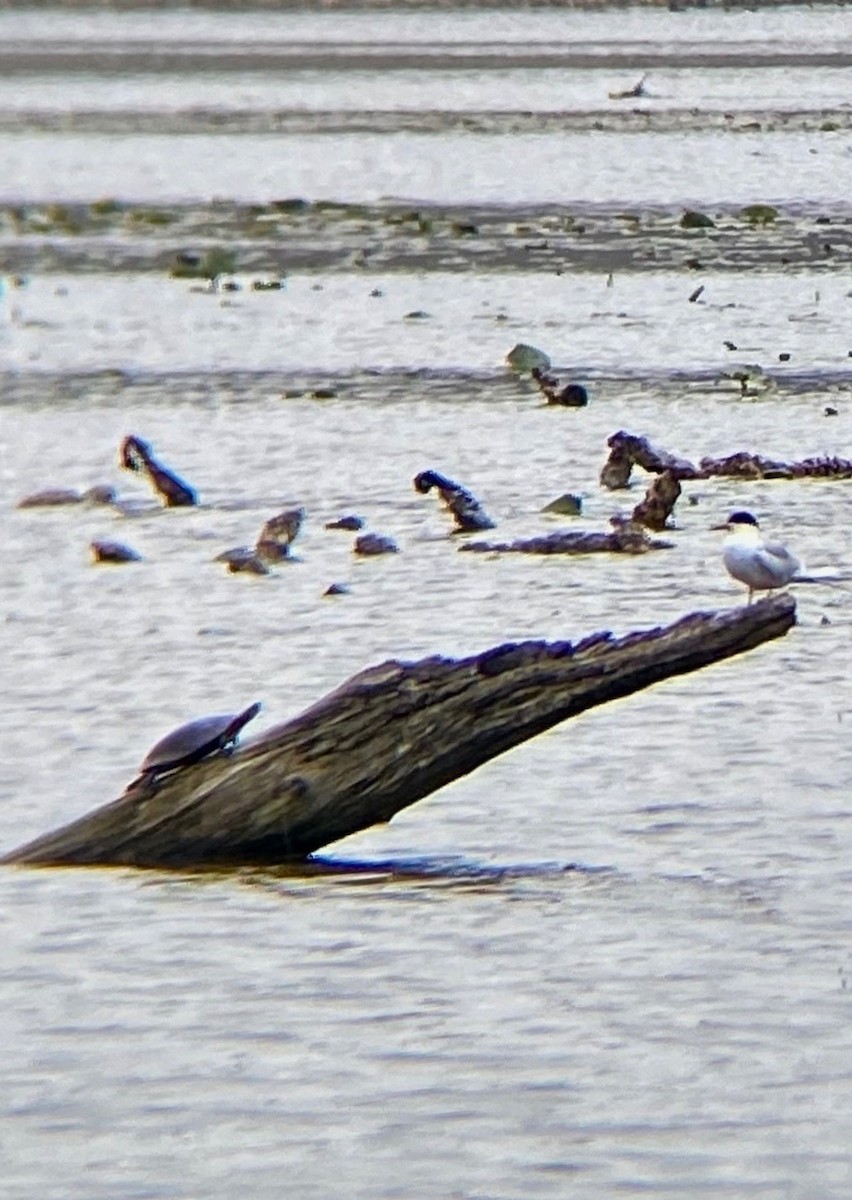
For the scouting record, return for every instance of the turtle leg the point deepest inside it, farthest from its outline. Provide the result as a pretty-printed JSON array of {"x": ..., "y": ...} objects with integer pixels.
[
  {"x": 229, "y": 744},
  {"x": 146, "y": 784}
]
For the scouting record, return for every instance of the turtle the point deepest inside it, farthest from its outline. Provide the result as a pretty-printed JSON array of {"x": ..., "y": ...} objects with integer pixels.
[
  {"x": 192, "y": 742},
  {"x": 113, "y": 552}
]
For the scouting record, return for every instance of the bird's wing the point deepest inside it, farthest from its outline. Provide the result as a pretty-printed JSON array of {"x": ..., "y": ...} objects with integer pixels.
[{"x": 778, "y": 559}]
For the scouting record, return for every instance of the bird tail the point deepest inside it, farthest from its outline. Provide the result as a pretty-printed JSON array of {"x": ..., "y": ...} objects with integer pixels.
[{"x": 828, "y": 580}]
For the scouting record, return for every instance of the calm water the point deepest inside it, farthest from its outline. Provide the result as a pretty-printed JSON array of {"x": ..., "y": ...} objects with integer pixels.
[
  {"x": 690, "y": 169},
  {"x": 338, "y": 323},
  {"x": 614, "y": 962}
]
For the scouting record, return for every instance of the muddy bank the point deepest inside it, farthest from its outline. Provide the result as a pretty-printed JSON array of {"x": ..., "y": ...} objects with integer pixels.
[
  {"x": 25, "y": 58},
  {"x": 293, "y": 234},
  {"x": 634, "y": 120},
  {"x": 136, "y": 387},
  {"x": 400, "y": 5}
]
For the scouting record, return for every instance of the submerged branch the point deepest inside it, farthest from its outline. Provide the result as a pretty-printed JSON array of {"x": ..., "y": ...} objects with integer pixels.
[
  {"x": 466, "y": 511},
  {"x": 655, "y": 509},
  {"x": 624, "y": 538},
  {"x": 758, "y": 466},
  {"x": 627, "y": 450}
]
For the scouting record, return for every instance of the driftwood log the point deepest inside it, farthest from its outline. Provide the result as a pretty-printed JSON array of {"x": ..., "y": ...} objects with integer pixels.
[
  {"x": 655, "y": 509},
  {"x": 273, "y": 545},
  {"x": 627, "y": 450},
  {"x": 624, "y": 538},
  {"x": 569, "y": 395},
  {"x": 136, "y": 455},
  {"x": 390, "y": 736},
  {"x": 758, "y": 466},
  {"x": 465, "y": 509}
]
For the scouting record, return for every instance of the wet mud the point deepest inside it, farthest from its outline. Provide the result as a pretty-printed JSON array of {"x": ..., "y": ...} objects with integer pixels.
[{"x": 293, "y": 234}]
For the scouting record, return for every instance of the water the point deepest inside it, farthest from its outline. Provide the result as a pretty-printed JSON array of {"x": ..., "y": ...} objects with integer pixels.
[
  {"x": 400, "y": 90},
  {"x": 614, "y": 961},
  {"x": 458, "y": 168},
  {"x": 337, "y": 323}
]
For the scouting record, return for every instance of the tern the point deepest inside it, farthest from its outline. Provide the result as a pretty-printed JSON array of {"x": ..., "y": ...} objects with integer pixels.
[{"x": 760, "y": 565}]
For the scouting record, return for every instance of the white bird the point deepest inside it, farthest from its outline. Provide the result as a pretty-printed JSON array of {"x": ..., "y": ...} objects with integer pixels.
[{"x": 758, "y": 564}]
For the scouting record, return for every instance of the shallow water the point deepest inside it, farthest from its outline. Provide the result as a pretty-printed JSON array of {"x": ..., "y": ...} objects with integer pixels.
[
  {"x": 814, "y": 26},
  {"x": 400, "y": 90},
  {"x": 460, "y": 168},
  {"x": 612, "y": 962},
  {"x": 637, "y": 325}
]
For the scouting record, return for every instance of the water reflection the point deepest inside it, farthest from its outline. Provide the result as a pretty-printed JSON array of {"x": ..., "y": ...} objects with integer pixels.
[{"x": 444, "y": 873}]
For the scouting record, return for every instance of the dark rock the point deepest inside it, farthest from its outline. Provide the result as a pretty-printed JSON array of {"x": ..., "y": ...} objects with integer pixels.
[
  {"x": 370, "y": 544},
  {"x": 349, "y": 521},
  {"x": 113, "y": 552}
]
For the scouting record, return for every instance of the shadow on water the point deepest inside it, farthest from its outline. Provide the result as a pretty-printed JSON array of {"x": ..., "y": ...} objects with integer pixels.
[
  {"x": 709, "y": 894},
  {"x": 440, "y": 872}
]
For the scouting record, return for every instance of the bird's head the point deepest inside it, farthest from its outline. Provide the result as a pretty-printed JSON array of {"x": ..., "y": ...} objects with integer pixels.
[{"x": 739, "y": 520}]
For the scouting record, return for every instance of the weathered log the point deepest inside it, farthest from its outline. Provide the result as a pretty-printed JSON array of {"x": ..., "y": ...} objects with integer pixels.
[
  {"x": 390, "y": 736},
  {"x": 625, "y": 538},
  {"x": 758, "y": 466},
  {"x": 136, "y": 455},
  {"x": 569, "y": 395},
  {"x": 272, "y": 546},
  {"x": 616, "y": 471},
  {"x": 655, "y": 509},
  {"x": 466, "y": 511},
  {"x": 278, "y": 534},
  {"x": 627, "y": 449}
]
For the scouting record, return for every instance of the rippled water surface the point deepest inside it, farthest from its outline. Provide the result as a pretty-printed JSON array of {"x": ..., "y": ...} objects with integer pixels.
[
  {"x": 639, "y": 324},
  {"x": 613, "y": 962},
  {"x": 464, "y": 168}
]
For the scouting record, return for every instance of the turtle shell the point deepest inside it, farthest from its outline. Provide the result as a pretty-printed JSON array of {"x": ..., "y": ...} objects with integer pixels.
[{"x": 196, "y": 740}]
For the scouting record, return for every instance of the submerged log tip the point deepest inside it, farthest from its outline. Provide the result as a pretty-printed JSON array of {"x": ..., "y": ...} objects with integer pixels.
[{"x": 625, "y": 537}]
